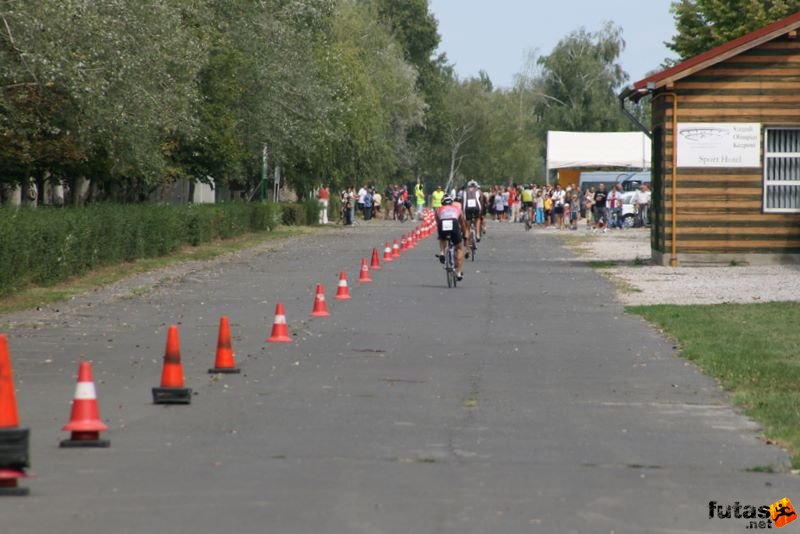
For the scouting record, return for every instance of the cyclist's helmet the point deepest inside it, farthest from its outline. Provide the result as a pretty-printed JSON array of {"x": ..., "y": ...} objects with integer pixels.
[
  {"x": 447, "y": 200},
  {"x": 472, "y": 183}
]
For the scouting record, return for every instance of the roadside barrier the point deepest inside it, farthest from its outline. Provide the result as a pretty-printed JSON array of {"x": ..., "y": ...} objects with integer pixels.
[
  {"x": 320, "y": 308},
  {"x": 375, "y": 264},
  {"x": 224, "y": 361},
  {"x": 84, "y": 420},
  {"x": 342, "y": 291},
  {"x": 364, "y": 277},
  {"x": 172, "y": 390},
  {"x": 14, "y": 457},
  {"x": 280, "y": 331}
]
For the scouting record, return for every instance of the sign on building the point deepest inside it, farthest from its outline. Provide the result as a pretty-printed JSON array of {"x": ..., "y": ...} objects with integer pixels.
[{"x": 723, "y": 144}]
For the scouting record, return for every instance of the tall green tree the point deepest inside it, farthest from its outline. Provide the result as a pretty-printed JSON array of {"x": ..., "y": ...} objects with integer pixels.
[
  {"x": 99, "y": 83},
  {"x": 579, "y": 80},
  {"x": 416, "y": 31},
  {"x": 704, "y": 24},
  {"x": 374, "y": 105}
]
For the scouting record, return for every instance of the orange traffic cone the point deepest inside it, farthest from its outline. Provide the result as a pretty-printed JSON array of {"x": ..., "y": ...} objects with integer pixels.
[
  {"x": 280, "y": 332},
  {"x": 14, "y": 441},
  {"x": 172, "y": 390},
  {"x": 387, "y": 253},
  {"x": 224, "y": 362},
  {"x": 395, "y": 250},
  {"x": 8, "y": 401},
  {"x": 84, "y": 421},
  {"x": 403, "y": 243},
  {"x": 410, "y": 242},
  {"x": 375, "y": 264},
  {"x": 364, "y": 277},
  {"x": 342, "y": 292},
  {"x": 320, "y": 306}
]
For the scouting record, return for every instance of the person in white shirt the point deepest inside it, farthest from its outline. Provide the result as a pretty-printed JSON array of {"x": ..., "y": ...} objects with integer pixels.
[
  {"x": 362, "y": 193},
  {"x": 559, "y": 196},
  {"x": 641, "y": 200}
]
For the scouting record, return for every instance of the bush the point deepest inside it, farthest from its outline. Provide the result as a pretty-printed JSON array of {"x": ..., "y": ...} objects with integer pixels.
[
  {"x": 312, "y": 210},
  {"x": 47, "y": 245},
  {"x": 293, "y": 214},
  {"x": 334, "y": 208}
]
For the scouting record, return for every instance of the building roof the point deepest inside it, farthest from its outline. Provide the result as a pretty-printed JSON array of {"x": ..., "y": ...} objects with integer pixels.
[{"x": 712, "y": 57}]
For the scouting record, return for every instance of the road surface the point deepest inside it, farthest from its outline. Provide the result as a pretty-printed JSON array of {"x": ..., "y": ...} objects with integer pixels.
[{"x": 525, "y": 400}]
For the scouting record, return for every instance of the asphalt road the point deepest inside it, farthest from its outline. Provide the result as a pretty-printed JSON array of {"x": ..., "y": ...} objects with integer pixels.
[{"x": 525, "y": 400}]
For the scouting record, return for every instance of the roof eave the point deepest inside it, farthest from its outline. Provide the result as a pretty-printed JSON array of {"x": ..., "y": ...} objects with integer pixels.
[{"x": 715, "y": 55}]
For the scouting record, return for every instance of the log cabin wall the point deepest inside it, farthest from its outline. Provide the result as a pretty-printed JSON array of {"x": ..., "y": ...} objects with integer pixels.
[{"x": 721, "y": 213}]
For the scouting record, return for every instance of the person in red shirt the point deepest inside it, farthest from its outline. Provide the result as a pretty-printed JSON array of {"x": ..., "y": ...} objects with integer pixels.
[
  {"x": 324, "y": 195},
  {"x": 512, "y": 198}
]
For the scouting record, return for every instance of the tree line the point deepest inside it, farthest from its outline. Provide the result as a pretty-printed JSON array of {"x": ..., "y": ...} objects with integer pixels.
[{"x": 117, "y": 98}]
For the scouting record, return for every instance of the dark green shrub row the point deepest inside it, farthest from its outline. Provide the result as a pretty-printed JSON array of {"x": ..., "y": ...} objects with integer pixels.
[
  {"x": 301, "y": 213},
  {"x": 43, "y": 246}
]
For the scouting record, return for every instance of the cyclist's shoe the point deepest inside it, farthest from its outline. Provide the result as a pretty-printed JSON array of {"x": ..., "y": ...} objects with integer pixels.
[
  {"x": 478, "y": 238},
  {"x": 466, "y": 254},
  {"x": 441, "y": 258},
  {"x": 460, "y": 276}
]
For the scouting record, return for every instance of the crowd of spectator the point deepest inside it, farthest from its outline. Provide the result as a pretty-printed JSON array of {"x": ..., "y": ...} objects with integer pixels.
[
  {"x": 552, "y": 206},
  {"x": 549, "y": 206}
]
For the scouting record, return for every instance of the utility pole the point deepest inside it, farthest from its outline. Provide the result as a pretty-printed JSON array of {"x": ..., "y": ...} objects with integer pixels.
[
  {"x": 277, "y": 196},
  {"x": 263, "y": 186}
]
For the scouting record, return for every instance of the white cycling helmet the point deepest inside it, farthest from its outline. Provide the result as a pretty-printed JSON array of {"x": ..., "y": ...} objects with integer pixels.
[{"x": 447, "y": 200}]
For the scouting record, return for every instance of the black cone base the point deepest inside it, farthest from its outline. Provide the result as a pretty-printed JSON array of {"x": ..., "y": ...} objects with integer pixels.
[
  {"x": 172, "y": 395},
  {"x": 84, "y": 443},
  {"x": 224, "y": 370}
]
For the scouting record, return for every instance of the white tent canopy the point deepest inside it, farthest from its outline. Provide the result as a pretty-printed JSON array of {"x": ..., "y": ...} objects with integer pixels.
[{"x": 597, "y": 149}]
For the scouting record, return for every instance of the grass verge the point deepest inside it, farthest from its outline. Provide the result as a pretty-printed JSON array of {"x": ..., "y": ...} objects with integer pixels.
[
  {"x": 752, "y": 349},
  {"x": 35, "y": 296}
]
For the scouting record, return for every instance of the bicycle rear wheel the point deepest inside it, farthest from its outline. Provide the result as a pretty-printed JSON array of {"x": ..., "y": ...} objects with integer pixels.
[{"x": 450, "y": 266}]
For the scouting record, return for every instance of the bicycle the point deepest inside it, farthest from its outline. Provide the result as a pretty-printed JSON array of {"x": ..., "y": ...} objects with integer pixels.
[
  {"x": 473, "y": 243},
  {"x": 399, "y": 211},
  {"x": 526, "y": 218},
  {"x": 450, "y": 263}
]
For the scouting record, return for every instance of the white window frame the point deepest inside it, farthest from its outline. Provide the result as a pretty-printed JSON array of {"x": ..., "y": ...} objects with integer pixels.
[{"x": 767, "y": 181}]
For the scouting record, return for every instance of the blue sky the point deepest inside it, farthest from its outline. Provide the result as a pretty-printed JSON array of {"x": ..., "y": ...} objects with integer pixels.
[{"x": 495, "y": 35}]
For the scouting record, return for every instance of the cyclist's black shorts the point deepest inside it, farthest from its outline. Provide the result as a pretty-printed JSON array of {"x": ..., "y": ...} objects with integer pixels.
[
  {"x": 454, "y": 234},
  {"x": 472, "y": 213},
  {"x": 527, "y": 205}
]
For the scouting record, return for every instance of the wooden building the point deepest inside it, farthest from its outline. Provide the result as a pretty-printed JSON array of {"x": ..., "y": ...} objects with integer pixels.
[{"x": 729, "y": 189}]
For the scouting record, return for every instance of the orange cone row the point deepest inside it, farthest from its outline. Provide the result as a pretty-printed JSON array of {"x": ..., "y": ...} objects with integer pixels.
[
  {"x": 13, "y": 440},
  {"x": 84, "y": 421},
  {"x": 172, "y": 390},
  {"x": 224, "y": 362},
  {"x": 85, "y": 424}
]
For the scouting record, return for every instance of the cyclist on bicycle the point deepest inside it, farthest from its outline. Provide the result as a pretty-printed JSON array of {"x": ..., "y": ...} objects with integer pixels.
[
  {"x": 527, "y": 202},
  {"x": 452, "y": 226},
  {"x": 472, "y": 206}
]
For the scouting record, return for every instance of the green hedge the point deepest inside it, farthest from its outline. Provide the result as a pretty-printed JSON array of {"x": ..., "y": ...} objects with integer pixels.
[
  {"x": 304, "y": 213},
  {"x": 47, "y": 245}
]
